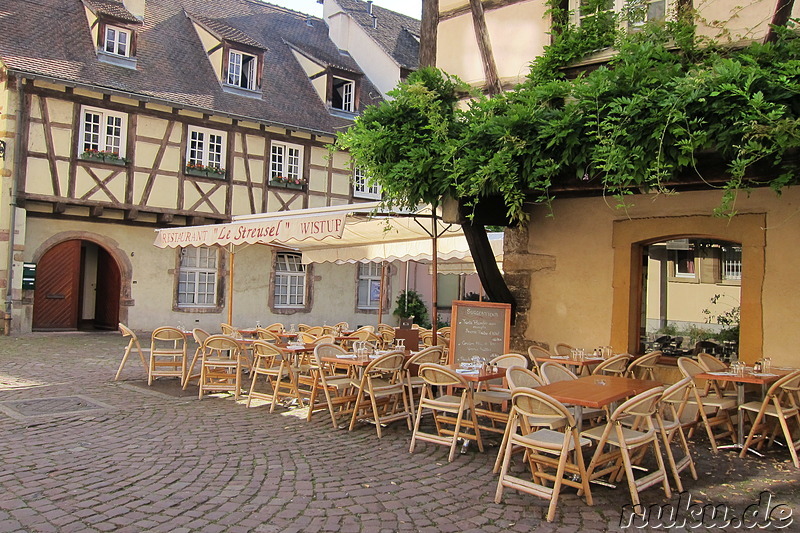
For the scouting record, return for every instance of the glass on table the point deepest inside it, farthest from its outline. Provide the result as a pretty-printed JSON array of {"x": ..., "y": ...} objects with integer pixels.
[{"x": 766, "y": 365}]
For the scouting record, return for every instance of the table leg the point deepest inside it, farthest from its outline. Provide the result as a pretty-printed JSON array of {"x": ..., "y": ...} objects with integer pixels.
[{"x": 740, "y": 425}]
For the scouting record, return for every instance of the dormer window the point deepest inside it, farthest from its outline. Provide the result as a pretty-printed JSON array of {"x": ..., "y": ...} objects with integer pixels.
[
  {"x": 117, "y": 41},
  {"x": 242, "y": 70},
  {"x": 343, "y": 94}
]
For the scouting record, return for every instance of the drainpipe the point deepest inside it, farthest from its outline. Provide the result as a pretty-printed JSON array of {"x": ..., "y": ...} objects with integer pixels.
[{"x": 13, "y": 209}]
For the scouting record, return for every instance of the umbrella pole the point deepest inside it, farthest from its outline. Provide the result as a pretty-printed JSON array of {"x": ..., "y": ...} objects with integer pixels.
[
  {"x": 435, "y": 280},
  {"x": 383, "y": 289},
  {"x": 232, "y": 257}
]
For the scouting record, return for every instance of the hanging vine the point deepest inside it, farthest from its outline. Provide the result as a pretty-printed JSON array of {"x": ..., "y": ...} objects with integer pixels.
[{"x": 665, "y": 99}]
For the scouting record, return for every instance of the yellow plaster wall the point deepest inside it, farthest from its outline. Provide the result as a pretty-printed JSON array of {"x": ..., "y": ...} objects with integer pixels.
[
  {"x": 319, "y": 156},
  {"x": 580, "y": 300},
  {"x": 734, "y": 21},
  {"x": 151, "y": 127},
  {"x": 60, "y": 111},
  {"x": 84, "y": 183}
]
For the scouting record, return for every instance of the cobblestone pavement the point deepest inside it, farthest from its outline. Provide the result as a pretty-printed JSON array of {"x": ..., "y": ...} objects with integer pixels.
[{"x": 118, "y": 456}]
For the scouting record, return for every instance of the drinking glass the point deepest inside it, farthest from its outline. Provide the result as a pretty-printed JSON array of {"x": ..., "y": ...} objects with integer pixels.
[
  {"x": 258, "y": 323},
  {"x": 766, "y": 365},
  {"x": 180, "y": 326}
]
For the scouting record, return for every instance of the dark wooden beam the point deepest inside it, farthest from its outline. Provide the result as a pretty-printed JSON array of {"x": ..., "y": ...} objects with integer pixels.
[
  {"x": 96, "y": 210},
  {"x": 165, "y": 218},
  {"x": 131, "y": 214},
  {"x": 428, "y": 33},
  {"x": 59, "y": 208},
  {"x": 485, "y": 46}
]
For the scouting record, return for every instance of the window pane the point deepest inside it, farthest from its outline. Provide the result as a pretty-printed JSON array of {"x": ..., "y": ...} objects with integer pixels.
[
  {"x": 113, "y": 134},
  {"x": 234, "y": 68},
  {"x": 91, "y": 131},
  {"x": 293, "y": 163},
  {"x": 276, "y": 163},
  {"x": 196, "y": 147}
]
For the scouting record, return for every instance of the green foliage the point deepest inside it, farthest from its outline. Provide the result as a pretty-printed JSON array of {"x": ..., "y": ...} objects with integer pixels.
[
  {"x": 665, "y": 101},
  {"x": 410, "y": 303},
  {"x": 728, "y": 318}
]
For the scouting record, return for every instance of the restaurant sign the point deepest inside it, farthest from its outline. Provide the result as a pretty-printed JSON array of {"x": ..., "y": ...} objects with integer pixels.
[{"x": 257, "y": 231}]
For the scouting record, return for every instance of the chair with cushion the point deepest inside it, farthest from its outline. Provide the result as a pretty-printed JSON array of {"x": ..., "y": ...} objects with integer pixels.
[
  {"x": 713, "y": 364},
  {"x": 167, "y": 354},
  {"x": 264, "y": 334},
  {"x": 133, "y": 344},
  {"x": 554, "y": 372},
  {"x": 537, "y": 351},
  {"x": 668, "y": 422},
  {"x": 625, "y": 443},
  {"x": 519, "y": 376},
  {"x": 199, "y": 335},
  {"x": 221, "y": 366},
  {"x": 642, "y": 367},
  {"x": 382, "y": 392},
  {"x": 432, "y": 354},
  {"x": 713, "y": 409},
  {"x": 337, "y": 390},
  {"x": 613, "y": 366},
  {"x": 782, "y": 402},
  {"x": 272, "y": 363},
  {"x": 315, "y": 331},
  {"x": 453, "y": 413},
  {"x": 554, "y": 456},
  {"x": 562, "y": 349}
]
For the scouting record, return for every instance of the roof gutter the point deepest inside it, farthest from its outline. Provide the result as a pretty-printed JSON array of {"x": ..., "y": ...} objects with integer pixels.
[{"x": 146, "y": 98}]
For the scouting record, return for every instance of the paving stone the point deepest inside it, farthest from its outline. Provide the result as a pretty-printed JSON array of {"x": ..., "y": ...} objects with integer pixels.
[{"x": 166, "y": 463}]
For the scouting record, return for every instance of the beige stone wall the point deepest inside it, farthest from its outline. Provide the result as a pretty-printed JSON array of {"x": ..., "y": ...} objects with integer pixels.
[
  {"x": 580, "y": 260},
  {"x": 8, "y": 129},
  {"x": 152, "y": 287}
]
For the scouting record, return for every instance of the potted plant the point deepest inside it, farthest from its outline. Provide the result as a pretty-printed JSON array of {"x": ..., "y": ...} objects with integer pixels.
[
  {"x": 289, "y": 183},
  {"x": 106, "y": 156},
  {"x": 199, "y": 169},
  {"x": 410, "y": 304}
]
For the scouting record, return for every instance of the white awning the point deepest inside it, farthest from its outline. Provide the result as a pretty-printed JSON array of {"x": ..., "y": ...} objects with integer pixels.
[
  {"x": 336, "y": 234},
  {"x": 268, "y": 228}
]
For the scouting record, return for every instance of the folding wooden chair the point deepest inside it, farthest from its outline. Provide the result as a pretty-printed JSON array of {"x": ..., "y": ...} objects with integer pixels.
[
  {"x": 448, "y": 409},
  {"x": 337, "y": 390},
  {"x": 613, "y": 366},
  {"x": 220, "y": 366},
  {"x": 562, "y": 349},
  {"x": 133, "y": 343},
  {"x": 492, "y": 397},
  {"x": 782, "y": 403},
  {"x": 625, "y": 441},
  {"x": 534, "y": 352},
  {"x": 669, "y": 424},
  {"x": 642, "y": 367},
  {"x": 272, "y": 363},
  {"x": 199, "y": 335},
  {"x": 432, "y": 354},
  {"x": 382, "y": 383},
  {"x": 167, "y": 354},
  {"x": 546, "y": 449},
  {"x": 712, "y": 364},
  {"x": 519, "y": 376},
  {"x": 712, "y": 408},
  {"x": 553, "y": 372}
]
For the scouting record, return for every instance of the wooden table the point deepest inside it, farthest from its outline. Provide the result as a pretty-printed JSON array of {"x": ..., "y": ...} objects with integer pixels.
[
  {"x": 741, "y": 380},
  {"x": 481, "y": 375},
  {"x": 596, "y": 391}
]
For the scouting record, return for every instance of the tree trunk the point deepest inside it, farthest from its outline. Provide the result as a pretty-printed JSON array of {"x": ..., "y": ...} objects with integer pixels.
[
  {"x": 782, "y": 13},
  {"x": 486, "y": 265}
]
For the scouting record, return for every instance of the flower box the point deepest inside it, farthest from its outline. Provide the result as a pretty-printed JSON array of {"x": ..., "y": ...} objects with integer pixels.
[
  {"x": 104, "y": 157},
  {"x": 205, "y": 172},
  {"x": 287, "y": 184}
]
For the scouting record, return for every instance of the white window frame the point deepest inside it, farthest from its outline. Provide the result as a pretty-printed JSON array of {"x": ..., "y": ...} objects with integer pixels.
[
  {"x": 198, "y": 277},
  {"x": 206, "y": 147},
  {"x": 236, "y": 63},
  {"x": 368, "y": 295},
  {"x": 286, "y": 161},
  {"x": 677, "y": 272},
  {"x": 731, "y": 263},
  {"x": 348, "y": 93},
  {"x": 119, "y": 42},
  {"x": 362, "y": 187},
  {"x": 103, "y": 131},
  {"x": 289, "y": 286},
  {"x": 618, "y": 6}
]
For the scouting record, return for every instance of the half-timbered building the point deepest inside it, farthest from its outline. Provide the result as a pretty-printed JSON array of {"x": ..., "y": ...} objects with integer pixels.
[{"x": 121, "y": 116}]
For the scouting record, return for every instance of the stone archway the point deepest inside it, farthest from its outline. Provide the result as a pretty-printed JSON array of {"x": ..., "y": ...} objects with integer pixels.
[
  {"x": 630, "y": 236},
  {"x": 117, "y": 279}
]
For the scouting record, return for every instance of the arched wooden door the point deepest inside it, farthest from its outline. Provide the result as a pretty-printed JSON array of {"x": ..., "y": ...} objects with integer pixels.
[
  {"x": 73, "y": 292},
  {"x": 108, "y": 289},
  {"x": 56, "y": 299}
]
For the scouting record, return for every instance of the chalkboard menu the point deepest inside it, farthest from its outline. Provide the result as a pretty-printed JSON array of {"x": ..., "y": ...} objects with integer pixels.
[{"x": 479, "y": 328}]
